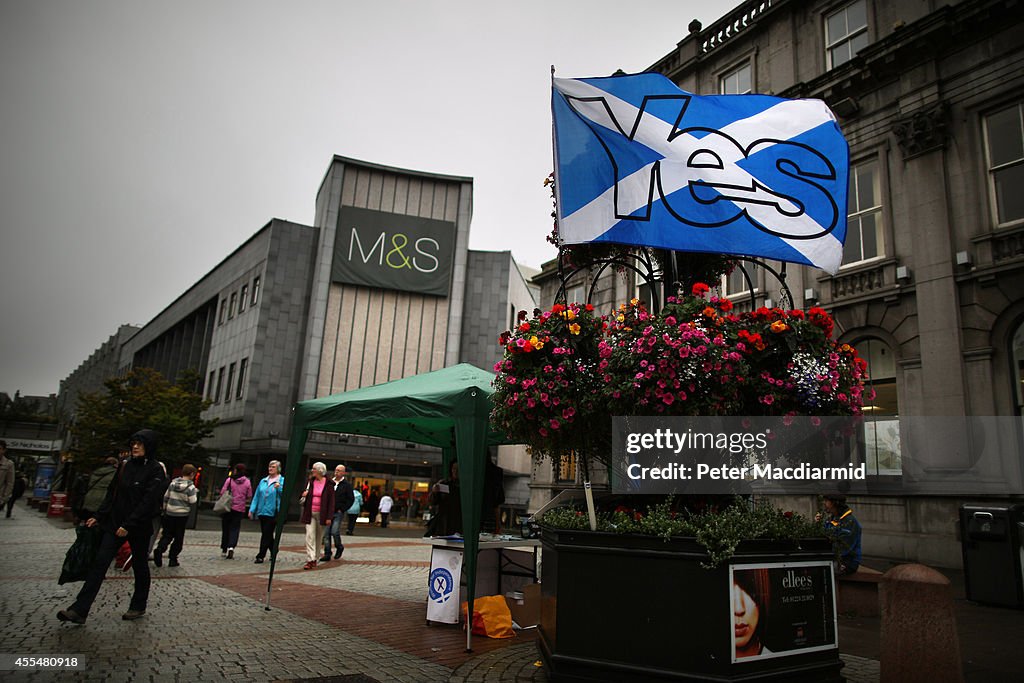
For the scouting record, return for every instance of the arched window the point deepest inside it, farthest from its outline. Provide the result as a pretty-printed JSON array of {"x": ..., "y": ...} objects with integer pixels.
[
  {"x": 1017, "y": 353},
  {"x": 881, "y": 413}
]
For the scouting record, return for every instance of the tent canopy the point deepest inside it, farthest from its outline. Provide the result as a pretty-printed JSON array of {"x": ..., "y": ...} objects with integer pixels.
[{"x": 448, "y": 408}]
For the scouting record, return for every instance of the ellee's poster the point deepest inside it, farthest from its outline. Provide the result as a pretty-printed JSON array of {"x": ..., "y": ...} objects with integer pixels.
[{"x": 782, "y": 608}]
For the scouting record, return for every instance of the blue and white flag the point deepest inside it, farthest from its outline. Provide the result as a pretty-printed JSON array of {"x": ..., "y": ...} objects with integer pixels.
[{"x": 639, "y": 161}]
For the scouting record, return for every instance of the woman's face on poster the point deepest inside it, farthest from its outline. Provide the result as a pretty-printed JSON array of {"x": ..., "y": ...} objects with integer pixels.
[{"x": 746, "y": 614}]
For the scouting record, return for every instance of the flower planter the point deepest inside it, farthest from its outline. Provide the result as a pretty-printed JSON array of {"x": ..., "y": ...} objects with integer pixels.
[{"x": 636, "y": 608}]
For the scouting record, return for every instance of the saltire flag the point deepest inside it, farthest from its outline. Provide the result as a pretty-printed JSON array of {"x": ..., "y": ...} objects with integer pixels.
[{"x": 639, "y": 161}]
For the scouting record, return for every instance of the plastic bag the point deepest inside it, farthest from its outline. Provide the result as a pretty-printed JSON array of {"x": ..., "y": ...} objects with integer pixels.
[
  {"x": 491, "y": 617},
  {"x": 223, "y": 504},
  {"x": 81, "y": 555}
]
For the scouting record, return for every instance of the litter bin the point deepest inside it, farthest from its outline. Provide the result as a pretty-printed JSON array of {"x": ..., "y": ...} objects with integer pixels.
[{"x": 992, "y": 539}]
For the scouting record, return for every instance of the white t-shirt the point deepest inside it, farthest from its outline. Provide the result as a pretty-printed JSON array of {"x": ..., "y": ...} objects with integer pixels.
[{"x": 385, "y": 504}]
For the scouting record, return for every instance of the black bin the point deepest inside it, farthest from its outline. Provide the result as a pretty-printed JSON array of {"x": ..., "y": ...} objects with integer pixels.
[{"x": 992, "y": 539}]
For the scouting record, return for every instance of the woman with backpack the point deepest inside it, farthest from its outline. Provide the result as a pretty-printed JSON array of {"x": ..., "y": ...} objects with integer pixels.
[{"x": 231, "y": 521}]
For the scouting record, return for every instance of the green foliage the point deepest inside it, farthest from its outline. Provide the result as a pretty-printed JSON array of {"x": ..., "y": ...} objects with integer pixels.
[
  {"x": 719, "y": 531},
  {"x": 143, "y": 399}
]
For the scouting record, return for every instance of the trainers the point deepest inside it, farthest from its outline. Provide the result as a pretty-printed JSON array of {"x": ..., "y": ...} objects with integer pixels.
[
  {"x": 337, "y": 553},
  {"x": 310, "y": 565},
  {"x": 158, "y": 559},
  {"x": 325, "y": 558},
  {"x": 231, "y": 554},
  {"x": 70, "y": 615},
  {"x": 133, "y": 614},
  {"x": 127, "y": 564},
  {"x": 258, "y": 560},
  {"x": 173, "y": 563}
]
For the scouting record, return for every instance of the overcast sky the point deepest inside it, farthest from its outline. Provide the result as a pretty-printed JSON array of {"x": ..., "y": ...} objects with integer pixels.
[{"x": 142, "y": 142}]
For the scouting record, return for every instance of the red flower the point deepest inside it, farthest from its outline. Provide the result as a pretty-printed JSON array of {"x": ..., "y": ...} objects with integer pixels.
[{"x": 700, "y": 289}]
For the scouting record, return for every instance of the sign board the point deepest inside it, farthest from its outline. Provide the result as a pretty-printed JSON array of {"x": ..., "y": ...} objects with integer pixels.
[
  {"x": 782, "y": 608},
  {"x": 44, "y": 445},
  {"x": 393, "y": 251},
  {"x": 443, "y": 586}
]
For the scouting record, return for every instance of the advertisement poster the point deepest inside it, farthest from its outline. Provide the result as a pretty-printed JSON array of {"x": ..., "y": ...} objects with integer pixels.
[
  {"x": 781, "y": 609},
  {"x": 43, "y": 480},
  {"x": 443, "y": 587}
]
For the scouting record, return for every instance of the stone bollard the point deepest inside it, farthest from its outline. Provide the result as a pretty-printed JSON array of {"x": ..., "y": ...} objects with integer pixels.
[{"x": 919, "y": 640}]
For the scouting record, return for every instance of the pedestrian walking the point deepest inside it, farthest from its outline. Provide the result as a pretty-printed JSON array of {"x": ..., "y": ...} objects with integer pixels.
[
  {"x": 343, "y": 497},
  {"x": 231, "y": 521},
  {"x": 384, "y": 507},
  {"x": 20, "y": 484},
  {"x": 6, "y": 475},
  {"x": 317, "y": 503},
  {"x": 181, "y": 495},
  {"x": 353, "y": 512},
  {"x": 126, "y": 513},
  {"x": 266, "y": 503},
  {"x": 371, "y": 505}
]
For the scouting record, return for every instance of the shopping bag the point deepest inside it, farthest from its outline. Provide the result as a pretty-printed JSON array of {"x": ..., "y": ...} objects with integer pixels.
[
  {"x": 223, "y": 504},
  {"x": 491, "y": 617},
  {"x": 81, "y": 555}
]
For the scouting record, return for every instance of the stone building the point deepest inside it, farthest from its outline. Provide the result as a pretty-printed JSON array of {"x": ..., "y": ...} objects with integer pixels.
[
  {"x": 382, "y": 286},
  {"x": 931, "y": 290}
]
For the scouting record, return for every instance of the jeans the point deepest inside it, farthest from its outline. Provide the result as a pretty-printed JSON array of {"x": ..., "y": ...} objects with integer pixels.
[
  {"x": 173, "y": 535},
  {"x": 352, "y": 517},
  {"x": 334, "y": 531},
  {"x": 230, "y": 524},
  {"x": 384, "y": 516},
  {"x": 138, "y": 539},
  {"x": 268, "y": 525}
]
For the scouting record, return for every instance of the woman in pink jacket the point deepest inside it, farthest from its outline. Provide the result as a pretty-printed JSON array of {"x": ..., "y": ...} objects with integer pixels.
[{"x": 231, "y": 522}]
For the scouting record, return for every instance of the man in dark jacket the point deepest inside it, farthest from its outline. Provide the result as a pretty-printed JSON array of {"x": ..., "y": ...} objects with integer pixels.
[
  {"x": 343, "y": 499},
  {"x": 127, "y": 512}
]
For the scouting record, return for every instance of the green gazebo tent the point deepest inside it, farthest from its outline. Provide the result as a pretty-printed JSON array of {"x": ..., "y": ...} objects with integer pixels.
[{"x": 447, "y": 408}]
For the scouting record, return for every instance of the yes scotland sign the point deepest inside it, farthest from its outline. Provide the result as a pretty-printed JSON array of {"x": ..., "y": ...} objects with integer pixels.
[
  {"x": 393, "y": 251},
  {"x": 639, "y": 161}
]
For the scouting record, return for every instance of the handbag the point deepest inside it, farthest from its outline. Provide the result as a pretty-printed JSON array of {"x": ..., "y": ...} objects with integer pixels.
[
  {"x": 223, "y": 504},
  {"x": 81, "y": 555},
  {"x": 357, "y": 504}
]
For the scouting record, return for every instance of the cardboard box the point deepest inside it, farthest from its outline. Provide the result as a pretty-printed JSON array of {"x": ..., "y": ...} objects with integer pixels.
[{"x": 525, "y": 605}]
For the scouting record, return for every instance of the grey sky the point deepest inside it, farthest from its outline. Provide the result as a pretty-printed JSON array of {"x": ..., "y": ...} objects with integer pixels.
[{"x": 141, "y": 142}]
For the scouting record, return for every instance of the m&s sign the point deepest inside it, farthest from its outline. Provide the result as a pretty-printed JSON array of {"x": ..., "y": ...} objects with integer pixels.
[{"x": 393, "y": 251}]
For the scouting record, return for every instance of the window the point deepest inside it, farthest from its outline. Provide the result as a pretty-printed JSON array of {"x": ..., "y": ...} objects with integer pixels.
[
  {"x": 255, "y": 290},
  {"x": 864, "y": 223},
  {"x": 1018, "y": 368},
  {"x": 231, "y": 379},
  {"x": 736, "y": 82},
  {"x": 846, "y": 33},
  {"x": 1004, "y": 133},
  {"x": 209, "y": 386},
  {"x": 881, "y": 414},
  {"x": 220, "y": 385},
  {"x": 223, "y": 311},
  {"x": 575, "y": 294},
  {"x": 566, "y": 468},
  {"x": 242, "y": 297},
  {"x": 231, "y": 306},
  {"x": 241, "y": 378},
  {"x": 735, "y": 283}
]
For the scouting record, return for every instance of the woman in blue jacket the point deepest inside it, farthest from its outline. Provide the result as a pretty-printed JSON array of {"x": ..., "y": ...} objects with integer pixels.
[{"x": 265, "y": 504}]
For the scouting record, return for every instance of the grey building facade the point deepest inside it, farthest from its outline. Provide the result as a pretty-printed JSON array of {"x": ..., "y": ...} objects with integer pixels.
[
  {"x": 375, "y": 290},
  {"x": 930, "y": 97}
]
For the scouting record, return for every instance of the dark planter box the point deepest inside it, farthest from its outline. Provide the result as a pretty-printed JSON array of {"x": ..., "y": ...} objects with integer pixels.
[{"x": 636, "y": 608}]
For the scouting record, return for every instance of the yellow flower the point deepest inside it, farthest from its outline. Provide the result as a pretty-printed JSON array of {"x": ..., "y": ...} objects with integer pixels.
[
  {"x": 621, "y": 318},
  {"x": 536, "y": 343},
  {"x": 570, "y": 314},
  {"x": 634, "y": 301},
  {"x": 779, "y": 326},
  {"x": 574, "y": 328}
]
